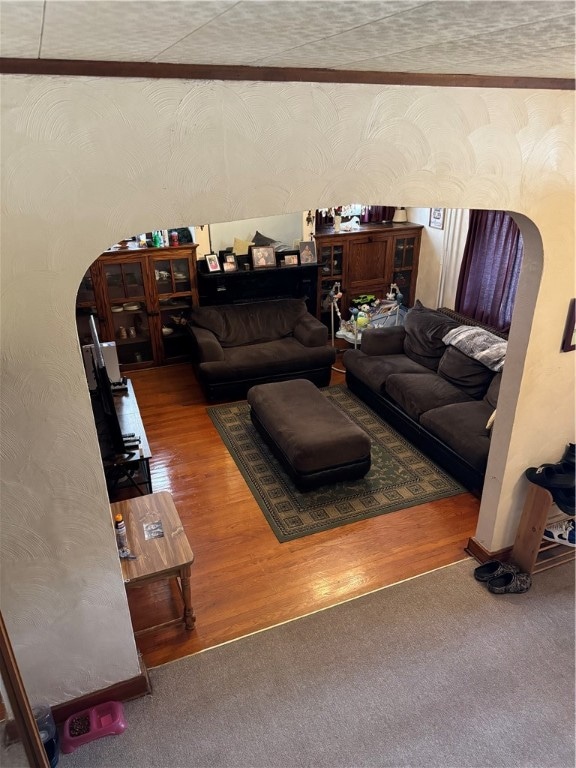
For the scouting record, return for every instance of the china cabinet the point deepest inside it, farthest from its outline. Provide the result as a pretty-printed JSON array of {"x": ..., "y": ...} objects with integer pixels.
[
  {"x": 367, "y": 261},
  {"x": 141, "y": 298}
]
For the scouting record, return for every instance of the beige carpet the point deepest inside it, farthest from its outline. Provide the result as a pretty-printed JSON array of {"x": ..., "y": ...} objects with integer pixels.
[{"x": 434, "y": 672}]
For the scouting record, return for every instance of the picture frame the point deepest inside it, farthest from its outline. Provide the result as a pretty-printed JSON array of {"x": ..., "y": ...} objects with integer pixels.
[
  {"x": 436, "y": 218},
  {"x": 263, "y": 257},
  {"x": 290, "y": 259},
  {"x": 308, "y": 252},
  {"x": 212, "y": 262},
  {"x": 569, "y": 336},
  {"x": 229, "y": 262}
]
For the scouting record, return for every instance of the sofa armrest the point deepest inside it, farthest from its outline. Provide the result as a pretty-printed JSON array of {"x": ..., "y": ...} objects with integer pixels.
[
  {"x": 383, "y": 341},
  {"x": 310, "y": 332},
  {"x": 207, "y": 346}
]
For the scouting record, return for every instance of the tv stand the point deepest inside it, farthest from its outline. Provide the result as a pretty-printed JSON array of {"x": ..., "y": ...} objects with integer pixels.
[{"x": 129, "y": 474}]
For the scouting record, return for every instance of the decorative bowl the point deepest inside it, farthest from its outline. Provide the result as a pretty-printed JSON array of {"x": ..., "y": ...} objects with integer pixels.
[{"x": 167, "y": 331}]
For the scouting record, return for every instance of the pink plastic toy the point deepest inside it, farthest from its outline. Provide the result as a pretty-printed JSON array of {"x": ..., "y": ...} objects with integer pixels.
[{"x": 93, "y": 723}]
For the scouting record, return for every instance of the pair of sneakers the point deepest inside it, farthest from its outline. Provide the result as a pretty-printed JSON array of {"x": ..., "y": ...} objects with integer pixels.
[
  {"x": 561, "y": 533},
  {"x": 559, "y": 479}
]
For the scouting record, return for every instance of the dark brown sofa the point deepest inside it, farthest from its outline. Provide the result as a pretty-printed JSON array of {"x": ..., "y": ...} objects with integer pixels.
[
  {"x": 236, "y": 346},
  {"x": 439, "y": 398}
]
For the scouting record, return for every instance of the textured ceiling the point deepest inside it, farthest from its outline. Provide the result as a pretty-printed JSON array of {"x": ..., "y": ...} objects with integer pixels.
[{"x": 466, "y": 37}]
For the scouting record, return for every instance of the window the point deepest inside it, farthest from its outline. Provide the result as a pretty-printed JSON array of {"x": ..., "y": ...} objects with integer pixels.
[{"x": 490, "y": 268}]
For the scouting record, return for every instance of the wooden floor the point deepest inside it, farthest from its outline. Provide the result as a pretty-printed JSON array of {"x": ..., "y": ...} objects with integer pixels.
[{"x": 243, "y": 579}]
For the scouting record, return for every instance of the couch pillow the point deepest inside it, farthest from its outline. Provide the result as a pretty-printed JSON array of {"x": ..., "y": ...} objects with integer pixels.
[
  {"x": 209, "y": 318},
  {"x": 239, "y": 324},
  {"x": 424, "y": 331},
  {"x": 491, "y": 397},
  {"x": 241, "y": 246},
  {"x": 465, "y": 372},
  {"x": 260, "y": 239}
]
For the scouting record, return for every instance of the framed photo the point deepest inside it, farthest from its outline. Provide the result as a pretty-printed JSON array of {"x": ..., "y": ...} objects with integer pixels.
[
  {"x": 569, "y": 338},
  {"x": 212, "y": 262},
  {"x": 263, "y": 256},
  {"x": 437, "y": 218},
  {"x": 229, "y": 263},
  {"x": 308, "y": 252},
  {"x": 290, "y": 259}
]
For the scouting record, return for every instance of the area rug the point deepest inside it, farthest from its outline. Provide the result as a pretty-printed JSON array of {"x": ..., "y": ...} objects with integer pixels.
[{"x": 400, "y": 476}]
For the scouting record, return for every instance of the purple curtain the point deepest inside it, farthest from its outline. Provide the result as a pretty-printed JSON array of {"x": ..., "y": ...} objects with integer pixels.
[
  {"x": 490, "y": 269},
  {"x": 377, "y": 213}
]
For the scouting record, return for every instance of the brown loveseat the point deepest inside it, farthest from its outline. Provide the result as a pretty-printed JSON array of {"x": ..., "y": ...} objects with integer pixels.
[{"x": 236, "y": 346}]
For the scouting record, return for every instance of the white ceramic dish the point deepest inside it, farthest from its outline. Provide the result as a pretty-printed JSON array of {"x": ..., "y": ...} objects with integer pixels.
[
  {"x": 167, "y": 331},
  {"x": 131, "y": 307},
  {"x": 117, "y": 309}
]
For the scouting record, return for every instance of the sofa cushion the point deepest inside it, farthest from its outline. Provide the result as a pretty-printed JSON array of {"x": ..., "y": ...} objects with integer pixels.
[
  {"x": 373, "y": 370},
  {"x": 464, "y": 372},
  {"x": 491, "y": 396},
  {"x": 462, "y": 427},
  {"x": 424, "y": 331},
  {"x": 420, "y": 392},
  {"x": 241, "y": 324},
  {"x": 260, "y": 239},
  {"x": 261, "y": 361},
  {"x": 479, "y": 344}
]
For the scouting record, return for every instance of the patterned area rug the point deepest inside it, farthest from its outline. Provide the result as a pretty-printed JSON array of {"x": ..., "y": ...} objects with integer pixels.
[{"x": 400, "y": 476}]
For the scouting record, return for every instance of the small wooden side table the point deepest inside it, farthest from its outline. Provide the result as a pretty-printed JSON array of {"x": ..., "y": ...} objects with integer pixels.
[{"x": 157, "y": 558}]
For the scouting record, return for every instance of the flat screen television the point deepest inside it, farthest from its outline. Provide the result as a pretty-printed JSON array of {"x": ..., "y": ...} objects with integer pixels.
[{"x": 105, "y": 415}]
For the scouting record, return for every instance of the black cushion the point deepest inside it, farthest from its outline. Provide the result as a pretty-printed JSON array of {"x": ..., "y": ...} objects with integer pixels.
[
  {"x": 464, "y": 372},
  {"x": 417, "y": 393},
  {"x": 462, "y": 426},
  {"x": 373, "y": 370},
  {"x": 424, "y": 331},
  {"x": 491, "y": 396},
  {"x": 260, "y": 239}
]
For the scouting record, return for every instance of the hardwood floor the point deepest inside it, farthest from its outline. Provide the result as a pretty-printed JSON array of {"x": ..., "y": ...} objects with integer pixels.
[{"x": 243, "y": 579}]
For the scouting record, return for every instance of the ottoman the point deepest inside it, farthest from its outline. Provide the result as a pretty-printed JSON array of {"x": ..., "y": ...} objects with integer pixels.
[{"x": 314, "y": 441}]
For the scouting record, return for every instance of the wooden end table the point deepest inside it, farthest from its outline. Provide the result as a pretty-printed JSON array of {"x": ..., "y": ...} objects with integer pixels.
[{"x": 158, "y": 557}]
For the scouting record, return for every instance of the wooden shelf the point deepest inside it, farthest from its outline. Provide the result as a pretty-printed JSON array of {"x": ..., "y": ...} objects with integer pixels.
[{"x": 530, "y": 551}]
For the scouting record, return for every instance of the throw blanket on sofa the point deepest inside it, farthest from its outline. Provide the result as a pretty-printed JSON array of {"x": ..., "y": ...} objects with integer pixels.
[{"x": 488, "y": 349}]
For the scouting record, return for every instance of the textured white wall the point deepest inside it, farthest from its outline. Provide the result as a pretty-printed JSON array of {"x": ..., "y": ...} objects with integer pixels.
[{"x": 87, "y": 160}]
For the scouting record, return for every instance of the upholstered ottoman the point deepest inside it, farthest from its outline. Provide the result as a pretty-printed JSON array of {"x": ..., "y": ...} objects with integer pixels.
[{"x": 314, "y": 441}]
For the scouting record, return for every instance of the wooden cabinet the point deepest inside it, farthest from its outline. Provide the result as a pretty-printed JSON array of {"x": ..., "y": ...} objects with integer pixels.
[
  {"x": 140, "y": 296},
  {"x": 367, "y": 261}
]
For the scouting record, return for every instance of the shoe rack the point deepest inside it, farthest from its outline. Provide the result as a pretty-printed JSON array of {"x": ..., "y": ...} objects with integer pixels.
[{"x": 530, "y": 551}]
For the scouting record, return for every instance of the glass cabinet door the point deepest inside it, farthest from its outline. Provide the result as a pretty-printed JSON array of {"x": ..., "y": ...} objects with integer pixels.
[
  {"x": 404, "y": 252},
  {"x": 131, "y": 332},
  {"x": 125, "y": 280},
  {"x": 174, "y": 315},
  {"x": 83, "y": 325},
  {"x": 330, "y": 259},
  {"x": 172, "y": 275},
  {"x": 86, "y": 293}
]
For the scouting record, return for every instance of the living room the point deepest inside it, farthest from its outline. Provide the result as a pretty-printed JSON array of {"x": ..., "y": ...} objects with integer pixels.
[{"x": 71, "y": 193}]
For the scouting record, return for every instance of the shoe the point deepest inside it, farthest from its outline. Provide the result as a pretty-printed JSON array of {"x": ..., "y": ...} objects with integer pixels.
[
  {"x": 509, "y": 583},
  {"x": 565, "y": 500},
  {"x": 561, "y": 533},
  {"x": 569, "y": 456},
  {"x": 493, "y": 569},
  {"x": 551, "y": 476}
]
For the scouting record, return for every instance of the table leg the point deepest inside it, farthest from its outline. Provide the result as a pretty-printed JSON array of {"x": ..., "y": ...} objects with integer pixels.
[{"x": 189, "y": 618}]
